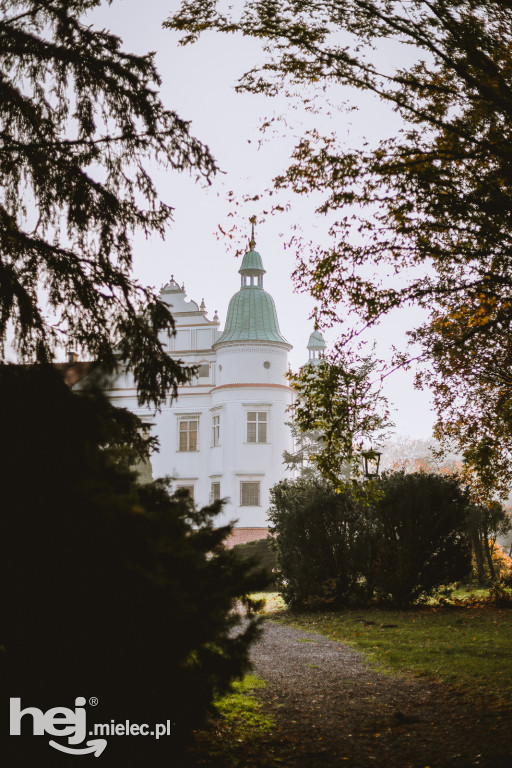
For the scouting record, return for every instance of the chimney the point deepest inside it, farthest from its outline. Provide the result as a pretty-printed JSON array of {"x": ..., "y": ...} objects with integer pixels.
[{"x": 72, "y": 357}]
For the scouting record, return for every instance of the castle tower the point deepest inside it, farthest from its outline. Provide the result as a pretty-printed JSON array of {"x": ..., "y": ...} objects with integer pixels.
[
  {"x": 316, "y": 348},
  {"x": 251, "y": 398},
  {"x": 224, "y": 436}
]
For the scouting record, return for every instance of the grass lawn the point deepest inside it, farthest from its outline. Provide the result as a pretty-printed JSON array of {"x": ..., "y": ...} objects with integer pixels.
[
  {"x": 241, "y": 736},
  {"x": 240, "y": 709},
  {"x": 467, "y": 647},
  {"x": 465, "y": 593}
]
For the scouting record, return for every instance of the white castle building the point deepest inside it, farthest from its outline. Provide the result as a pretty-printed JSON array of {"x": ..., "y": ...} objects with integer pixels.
[{"x": 225, "y": 434}]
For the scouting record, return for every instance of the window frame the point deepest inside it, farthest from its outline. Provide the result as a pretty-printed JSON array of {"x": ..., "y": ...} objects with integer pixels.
[
  {"x": 246, "y": 501},
  {"x": 214, "y": 494},
  {"x": 187, "y": 418},
  {"x": 215, "y": 430},
  {"x": 261, "y": 420},
  {"x": 190, "y": 487}
]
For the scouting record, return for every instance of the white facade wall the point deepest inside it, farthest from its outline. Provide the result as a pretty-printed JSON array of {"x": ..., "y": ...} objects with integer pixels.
[
  {"x": 251, "y": 362},
  {"x": 251, "y": 380},
  {"x": 241, "y": 378}
]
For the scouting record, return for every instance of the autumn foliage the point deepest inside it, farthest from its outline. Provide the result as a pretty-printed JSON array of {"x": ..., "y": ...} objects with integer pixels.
[{"x": 418, "y": 216}]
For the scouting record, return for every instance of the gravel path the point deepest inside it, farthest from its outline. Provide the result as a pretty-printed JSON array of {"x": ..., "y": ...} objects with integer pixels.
[{"x": 331, "y": 709}]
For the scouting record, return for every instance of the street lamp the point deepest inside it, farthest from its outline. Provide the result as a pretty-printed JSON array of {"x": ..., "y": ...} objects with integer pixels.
[{"x": 371, "y": 461}]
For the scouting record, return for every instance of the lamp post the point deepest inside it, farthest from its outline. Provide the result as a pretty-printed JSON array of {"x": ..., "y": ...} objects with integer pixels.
[{"x": 371, "y": 464}]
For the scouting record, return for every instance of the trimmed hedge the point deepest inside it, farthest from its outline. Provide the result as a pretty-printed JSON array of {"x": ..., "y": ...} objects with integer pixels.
[
  {"x": 333, "y": 550},
  {"x": 263, "y": 555}
]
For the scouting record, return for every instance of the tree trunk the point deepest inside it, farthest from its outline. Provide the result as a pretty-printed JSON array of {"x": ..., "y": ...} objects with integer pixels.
[
  {"x": 479, "y": 556},
  {"x": 488, "y": 554}
]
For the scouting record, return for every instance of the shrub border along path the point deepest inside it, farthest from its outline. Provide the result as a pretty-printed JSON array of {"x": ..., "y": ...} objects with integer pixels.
[{"x": 329, "y": 707}]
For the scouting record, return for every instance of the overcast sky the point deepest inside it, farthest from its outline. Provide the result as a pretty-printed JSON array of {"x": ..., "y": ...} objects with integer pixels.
[{"x": 198, "y": 83}]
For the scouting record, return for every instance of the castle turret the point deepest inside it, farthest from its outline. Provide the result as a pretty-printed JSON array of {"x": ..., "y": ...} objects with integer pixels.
[
  {"x": 316, "y": 347},
  {"x": 224, "y": 435},
  {"x": 252, "y": 315},
  {"x": 251, "y": 397}
]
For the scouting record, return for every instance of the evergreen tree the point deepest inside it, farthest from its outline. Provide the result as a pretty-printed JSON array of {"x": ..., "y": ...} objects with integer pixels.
[
  {"x": 306, "y": 446},
  {"x": 110, "y": 589},
  {"x": 80, "y": 120}
]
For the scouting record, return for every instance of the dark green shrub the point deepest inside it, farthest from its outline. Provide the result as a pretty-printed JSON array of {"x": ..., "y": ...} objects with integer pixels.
[
  {"x": 109, "y": 589},
  {"x": 332, "y": 549},
  {"x": 262, "y": 558},
  {"x": 320, "y": 542},
  {"x": 420, "y": 540}
]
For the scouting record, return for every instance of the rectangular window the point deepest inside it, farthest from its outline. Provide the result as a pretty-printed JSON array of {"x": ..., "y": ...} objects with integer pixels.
[
  {"x": 188, "y": 488},
  {"x": 203, "y": 371},
  {"x": 250, "y": 493},
  {"x": 215, "y": 430},
  {"x": 188, "y": 429},
  {"x": 215, "y": 492},
  {"x": 256, "y": 427}
]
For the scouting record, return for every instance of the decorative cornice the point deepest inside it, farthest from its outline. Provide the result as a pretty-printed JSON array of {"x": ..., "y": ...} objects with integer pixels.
[
  {"x": 254, "y": 344},
  {"x": 234, "y": 347},
  {"x": 252, "y": 386}
]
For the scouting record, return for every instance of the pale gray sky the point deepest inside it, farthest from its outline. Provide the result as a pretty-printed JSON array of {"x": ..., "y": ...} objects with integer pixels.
[{"x": 198, "y": 83}]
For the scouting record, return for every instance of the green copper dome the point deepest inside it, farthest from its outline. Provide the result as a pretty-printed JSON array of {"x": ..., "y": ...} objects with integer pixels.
[
  {"x": 252, "y": 264},
  {"x": 252, "y": 313},
  {"x": 316, "y": 341}
]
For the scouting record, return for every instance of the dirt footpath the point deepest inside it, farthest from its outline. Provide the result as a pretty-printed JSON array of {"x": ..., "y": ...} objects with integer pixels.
[{"x": 331, "y": 709}]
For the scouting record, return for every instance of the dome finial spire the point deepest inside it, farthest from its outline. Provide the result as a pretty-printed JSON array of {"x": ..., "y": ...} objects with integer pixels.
[{"x": 252, "y": 241}]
